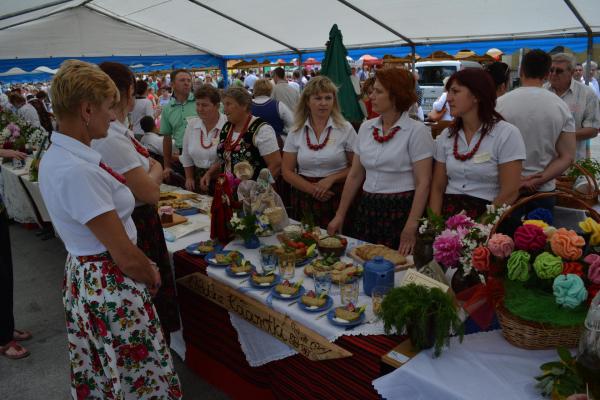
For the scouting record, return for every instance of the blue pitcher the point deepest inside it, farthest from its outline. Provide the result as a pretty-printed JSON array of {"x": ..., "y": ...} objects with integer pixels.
[{"x": 378, "y": 272}]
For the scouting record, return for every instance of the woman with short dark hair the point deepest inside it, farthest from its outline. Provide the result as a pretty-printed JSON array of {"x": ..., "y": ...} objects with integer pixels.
[
  {"x": 392, "y": 156},
  {"x": 478, "y": 159}
]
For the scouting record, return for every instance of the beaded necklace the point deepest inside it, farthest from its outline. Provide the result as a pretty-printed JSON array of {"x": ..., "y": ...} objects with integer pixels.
[
  {"x": 210, "y": 143},
  {"x": 469, "y": 155},
  {"x": 230, "y": 146},
  {"x": 316, "y": 147},
  {"x": 384, "y": 138},
  {"x": 113, "y": 173},
  {"x": 139, "y": 147}
]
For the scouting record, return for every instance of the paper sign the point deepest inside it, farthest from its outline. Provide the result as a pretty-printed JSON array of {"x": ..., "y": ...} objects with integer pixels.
[{"x": 412, "y": 276}]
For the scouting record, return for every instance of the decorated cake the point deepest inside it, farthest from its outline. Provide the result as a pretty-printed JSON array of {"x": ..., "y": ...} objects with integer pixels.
[{"x": 166, "y": 214}]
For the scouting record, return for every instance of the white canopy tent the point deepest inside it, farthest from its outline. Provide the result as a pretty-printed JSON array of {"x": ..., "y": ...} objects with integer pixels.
[{"x": 227, "y": 28}]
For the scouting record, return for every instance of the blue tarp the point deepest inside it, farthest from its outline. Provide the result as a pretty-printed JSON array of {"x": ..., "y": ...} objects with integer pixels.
[
  {"x": 166, "y": 62},
  {"x": 576, "y": 44},
  {"x": 26, "y": 78}
]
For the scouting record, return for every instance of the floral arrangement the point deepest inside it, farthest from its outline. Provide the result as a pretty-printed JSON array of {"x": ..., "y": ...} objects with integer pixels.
[
  {"x": 249, "y": 225},
  {"x": 542, "y": 257},
  {"x": 17, "y": 134},
  {"x": 460, "y": 243}
]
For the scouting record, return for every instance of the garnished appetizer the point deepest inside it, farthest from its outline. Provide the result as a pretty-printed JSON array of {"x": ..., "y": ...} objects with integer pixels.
[
  {"x": 288, "y": 288},
  {"x": 262, "y": 279},
  {"x": 311, "y": 299},
  {"x": 349, "y": 312},
  {"x": 241, "y": 267},
  {"x": 228, "y": 258},
  {"x": 206, "y": 246}
]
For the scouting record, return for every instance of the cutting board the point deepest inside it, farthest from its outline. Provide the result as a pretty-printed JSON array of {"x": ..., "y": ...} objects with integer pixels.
[
  {"x": 399, "y": 267},
  {"x": 177, "y": 219}
]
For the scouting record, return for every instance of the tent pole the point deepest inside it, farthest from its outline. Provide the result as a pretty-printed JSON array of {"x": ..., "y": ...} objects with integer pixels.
[
  {"x": 378, "y": 22},
  {"x": 32, "y": 9},
  {"x": 590, "y": 41},
  {"x": 219, "y": 13}
]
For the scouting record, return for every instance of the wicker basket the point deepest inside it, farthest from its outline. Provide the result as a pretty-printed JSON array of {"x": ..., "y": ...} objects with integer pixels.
[
  {"x": 565, "y": 184},
  {"x": 536, "y": 335}
]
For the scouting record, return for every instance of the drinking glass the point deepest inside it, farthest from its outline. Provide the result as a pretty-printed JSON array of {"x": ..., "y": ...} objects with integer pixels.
[
  {"x": 287, "y": 265},
  {"x": 349, "y": 291},
  {"x": 377, "y": 295},
  {"x": 268, "y": 259},
  {"x": 322, "y": 282}
]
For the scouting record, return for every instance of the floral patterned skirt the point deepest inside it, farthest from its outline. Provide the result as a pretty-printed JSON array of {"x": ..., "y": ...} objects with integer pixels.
[
  {"x": 116, "y": 345},
  {"x": 304, "y": 205},
  {"x": 454, "y": 203},
  {"x": 151, "y": 240},
  {"x": 380, "y": 217}
]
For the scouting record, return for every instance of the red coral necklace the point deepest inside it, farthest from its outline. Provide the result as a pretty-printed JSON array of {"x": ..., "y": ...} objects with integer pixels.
[
  {"x": 210, "y": 144},
  {"x": 230, "y": 146},
  {"x": 384, "y": 138},
  {"x": 316, "y": 147},
  {"x": 113, "y": 173},
  {"x": 469, "y": 155},
  {"x": 139, "y": 147}
]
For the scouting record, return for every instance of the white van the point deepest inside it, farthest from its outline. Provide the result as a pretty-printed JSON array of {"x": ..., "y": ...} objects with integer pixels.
[{"x": 432, "y": 74}]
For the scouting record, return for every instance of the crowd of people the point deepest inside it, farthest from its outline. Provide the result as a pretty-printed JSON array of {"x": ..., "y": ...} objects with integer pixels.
[{"x": 112, "y": 149}]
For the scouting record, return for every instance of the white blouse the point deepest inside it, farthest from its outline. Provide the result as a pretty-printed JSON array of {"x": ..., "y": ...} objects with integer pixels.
[
  {"x": 478, "y": 176},
  {"x": 118, "y": 151},
  {"x": 389, "y": 165},
  {"x": 327, "y": 160},
  {"x": 76, "y": 190},
  {"x": 193, "y": 154}
]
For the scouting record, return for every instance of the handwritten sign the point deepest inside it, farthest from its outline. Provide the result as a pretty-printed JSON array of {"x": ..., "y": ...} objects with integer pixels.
[
  {"x": 306, "y": 341},
  {"x": 412, "y": 276}
]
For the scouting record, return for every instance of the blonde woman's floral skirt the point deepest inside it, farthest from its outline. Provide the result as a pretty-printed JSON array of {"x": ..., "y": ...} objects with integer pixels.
[{"x": 116, "y": 345}]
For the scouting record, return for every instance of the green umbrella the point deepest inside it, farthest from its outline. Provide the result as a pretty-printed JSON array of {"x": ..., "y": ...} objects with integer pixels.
[{"x": 335, "y": 66}]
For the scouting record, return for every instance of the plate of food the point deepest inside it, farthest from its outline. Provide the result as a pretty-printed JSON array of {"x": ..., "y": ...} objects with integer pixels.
[
  {"x": 262, "y": 280},
  {"x": 303, "y": 247},
  {"x": 366, "y": 252},
  {"x": 287, "y": 290},
  {"x": 321, "y": 264},
  {"x": 332, "y": 245},
  {"x": 347, "y": 316},
  {"x": 310, "y": 302},
  {"x": 240, "y": 270},
  {"x": 222, "y": 258},
  {"x": 203, "y": 248}
]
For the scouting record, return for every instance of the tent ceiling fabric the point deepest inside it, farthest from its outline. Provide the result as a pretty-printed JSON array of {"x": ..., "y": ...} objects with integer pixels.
[
  {"x": 76, "y": 32},
  {"x": 302, "y": 25}
]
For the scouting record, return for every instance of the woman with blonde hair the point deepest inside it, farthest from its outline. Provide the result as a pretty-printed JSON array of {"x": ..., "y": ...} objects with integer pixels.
[
  {"x": 116, "y": 344},
  {"x": 318, "y": 152}
]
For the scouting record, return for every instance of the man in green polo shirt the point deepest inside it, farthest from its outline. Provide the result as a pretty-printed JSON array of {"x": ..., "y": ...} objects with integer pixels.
[{"x": 173, "y": 120}]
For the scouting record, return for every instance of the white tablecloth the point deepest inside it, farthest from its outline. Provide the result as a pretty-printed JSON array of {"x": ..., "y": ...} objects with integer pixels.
[
  {"x": 260, "y": 347},
  {"x": 484, "y": 366},
  {"x": 17, "y": 203}
]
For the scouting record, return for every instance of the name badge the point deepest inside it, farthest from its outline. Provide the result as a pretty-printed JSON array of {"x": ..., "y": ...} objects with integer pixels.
[{"x": 482, "y": 157}]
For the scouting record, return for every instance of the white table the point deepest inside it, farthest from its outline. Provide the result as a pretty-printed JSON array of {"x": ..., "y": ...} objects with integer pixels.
[
  {"x": 18, "y": 204},
  {"x": 484, "y": 366}
]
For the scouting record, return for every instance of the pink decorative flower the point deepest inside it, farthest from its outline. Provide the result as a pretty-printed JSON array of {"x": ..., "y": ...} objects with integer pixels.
[
  {"x": 530, "y": 238},
  {"x": 447, "y": 248},
  {"x": 14, "y": 129},
  {"x": 481, "y": 259},
  {"x": 594, "y": 272},
  {"x": 501, "y": 245},
  {"x": 459, "y": 221}
]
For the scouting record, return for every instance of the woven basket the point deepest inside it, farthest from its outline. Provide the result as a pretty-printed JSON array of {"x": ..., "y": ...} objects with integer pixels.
[
  {"x": 565, "y": 184},
  {"x": 536, "y": 335}
]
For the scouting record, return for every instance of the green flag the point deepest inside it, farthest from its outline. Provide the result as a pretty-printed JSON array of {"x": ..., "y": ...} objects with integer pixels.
[{"x": 335, "y": 67}]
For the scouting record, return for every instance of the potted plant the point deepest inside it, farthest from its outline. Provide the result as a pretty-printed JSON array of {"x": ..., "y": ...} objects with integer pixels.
[
  {"x": 246, "y": 226},
  {"x": 428, "y": 315}
]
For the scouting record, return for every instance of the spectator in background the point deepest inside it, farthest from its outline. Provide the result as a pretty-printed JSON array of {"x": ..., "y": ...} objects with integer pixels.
[
  {"x": 164, "y": 96},
  {"x": 40, "y": 106},
  {"x": 441, "y": 104},
  {"x": 152, "y": 84},
  {"x": 546, "y": 124},
  {"x": 298, "y": 78},
  {"x": 276, "y": 113},
  {"x": 249, "y": 80},
  {"x": 581, "y": 100},
  {"x": 24, "y": 109},
  {"x": 152, "y": 97},
  {"x": 367, "y": 89},
  {"x": 578, "y": 73},
  {"x": 500, "y": 73},
  {"x": 143, "y": 107},
  {"x": 152, "y": 139},
  {"x": 283, "y": 91},
  {"x": 593, "y": 82}
]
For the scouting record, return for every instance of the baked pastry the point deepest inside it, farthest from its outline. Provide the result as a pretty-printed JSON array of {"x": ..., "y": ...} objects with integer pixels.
[
  {"x": 166, "y": 214},
  {"x": 312, "y": 300},
  {"x": 260, "y": 279},
  {"x": 342, "y": 272},
  {"x": 229, "y": 258},
  {"x": 349, "y": 312},
  {"x": 368, "y": 251},
  {"x": 286, "y": 287}
]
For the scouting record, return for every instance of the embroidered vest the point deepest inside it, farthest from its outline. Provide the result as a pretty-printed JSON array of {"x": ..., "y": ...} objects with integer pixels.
[{"x": 247, "y": 151}]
